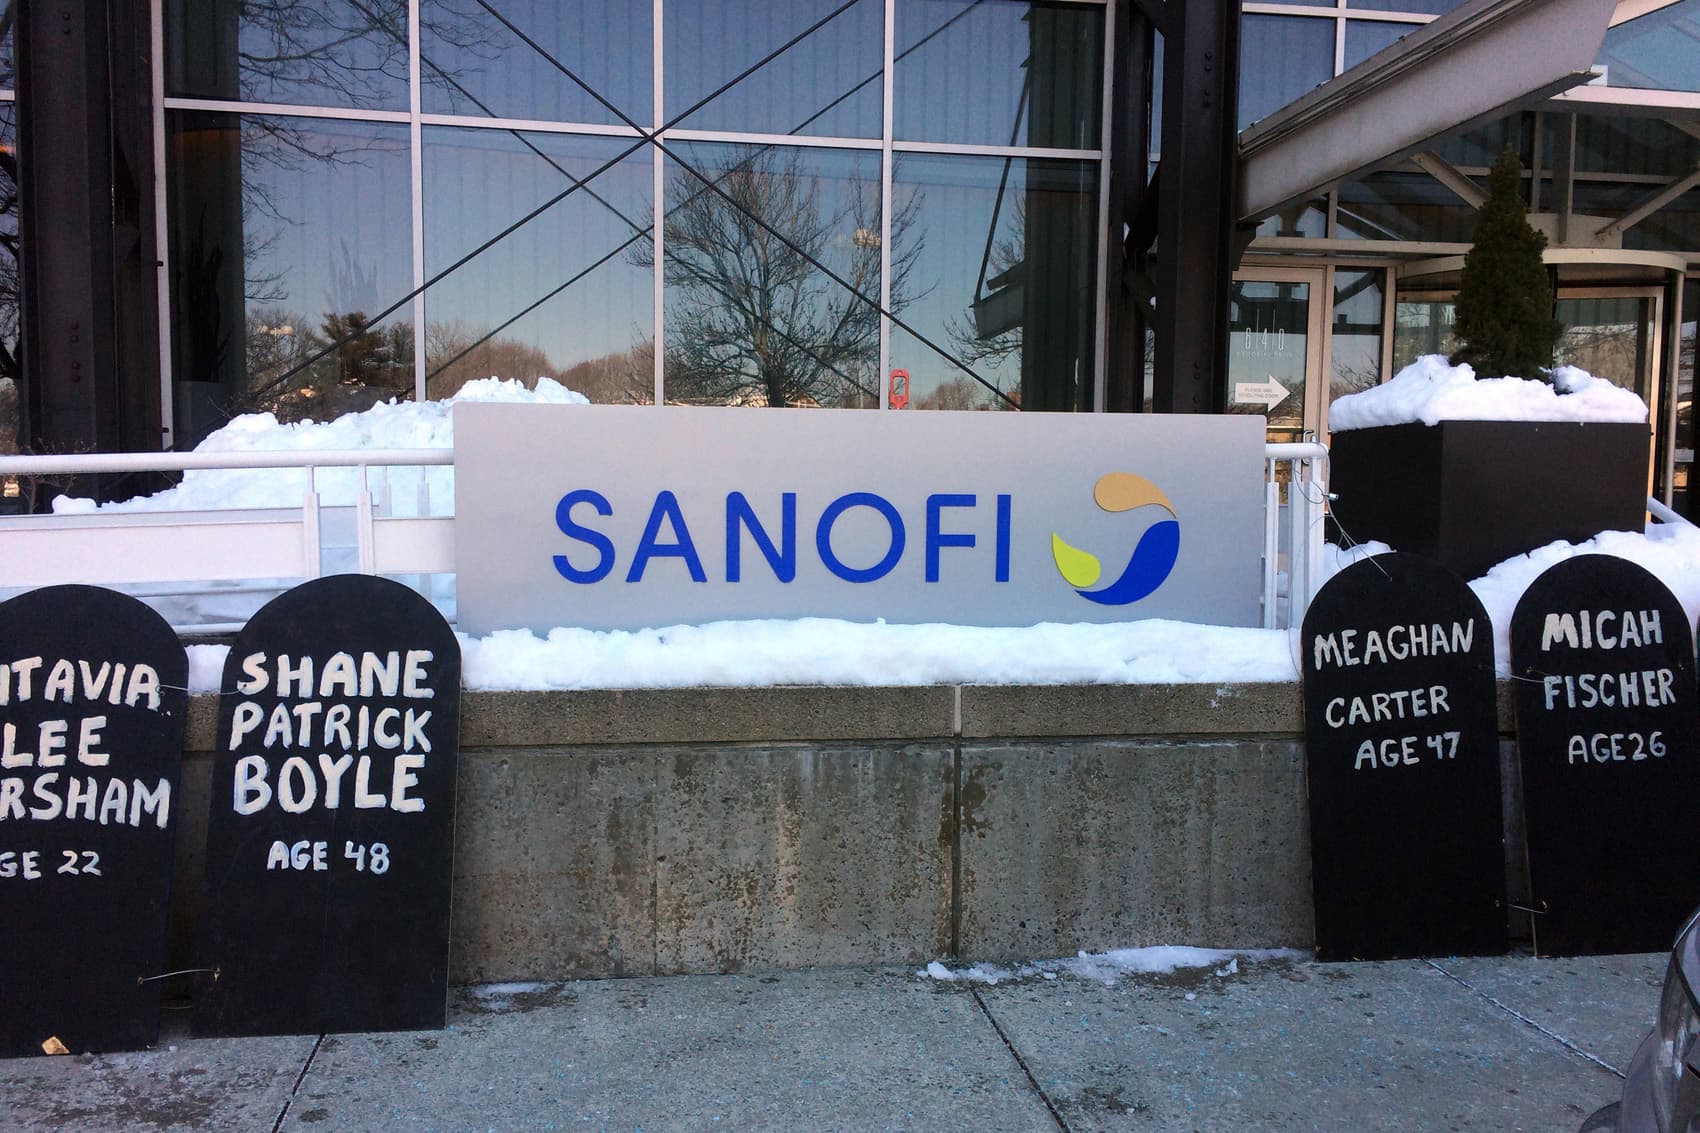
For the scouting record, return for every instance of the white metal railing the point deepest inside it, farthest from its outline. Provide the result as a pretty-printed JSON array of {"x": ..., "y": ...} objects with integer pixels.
[
  {"x": 146, "y": 552},
  {"x": 1295, "y": 528}
]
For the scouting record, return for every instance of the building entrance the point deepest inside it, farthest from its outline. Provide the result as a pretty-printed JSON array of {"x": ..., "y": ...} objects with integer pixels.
[{"x": 1276, "y": 321}]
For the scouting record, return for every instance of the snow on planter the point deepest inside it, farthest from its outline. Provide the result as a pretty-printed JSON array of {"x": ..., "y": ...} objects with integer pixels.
[{"x": 1430, "y": 390}]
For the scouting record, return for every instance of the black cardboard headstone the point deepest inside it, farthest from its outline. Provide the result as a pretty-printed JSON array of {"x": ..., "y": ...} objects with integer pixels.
[
  {"x": 331, "y": 830},
  {"x": 1606, "y": 730},
  {"x": 1402, "y": 764},
  {"x": 92, "y": 703}
]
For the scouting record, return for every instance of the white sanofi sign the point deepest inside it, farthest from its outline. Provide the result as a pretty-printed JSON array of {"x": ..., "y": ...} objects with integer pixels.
[{"x": 622, "y": 517}]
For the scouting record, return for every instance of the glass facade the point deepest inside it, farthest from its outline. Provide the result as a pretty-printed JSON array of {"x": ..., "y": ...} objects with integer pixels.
[
  {"x": 11, "y": 432},
  {"x": 354, "y": 215}
]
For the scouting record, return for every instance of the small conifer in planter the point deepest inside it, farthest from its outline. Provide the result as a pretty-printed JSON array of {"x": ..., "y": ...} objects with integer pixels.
[{"x": 1503, "y": 318}]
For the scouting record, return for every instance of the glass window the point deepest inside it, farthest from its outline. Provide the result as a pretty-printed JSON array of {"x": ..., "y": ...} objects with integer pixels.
[
  {"x": 999, "y": 72},
  {"x": 470, "y": 62},
  {"x": 1309, "y": 218},
  {"x": 997, "y": 260},
  {"x": 1683, "y": 458},
  {"x": 1658, "y": 51},
  {"x": 1281, "y": 58},
  {"x": 1674, "y": 228},
  {"x": 569, "y": 294},
  {"x": 1268, "y": 341},
  {"x": 8, "y": 65},
  {"x": 9, "y": 327},
  {"x": 1607, "y": 337},
  {"x": 1421, "y": 326},
  {"x": 1616, "y": 144},
  {"x": 287, "y": 235},
  {"x": 752, "y": 318},
  {"x": 1430, "y": 7},
  {"x": 1356, "y": 331},
  {"x": 347, "y": 53},
  {"x": 1480, "y": 148},
  {"x": 1402, "y": 206},
  {"x": 1365, "y": 37},
  {"x": 827, "y": 84}
]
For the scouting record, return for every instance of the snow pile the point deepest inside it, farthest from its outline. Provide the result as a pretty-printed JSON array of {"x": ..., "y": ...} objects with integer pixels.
[
  {"x": 1430, "y": 390},
  {"x": 827, "y": 651},
  {"x": 1670, "y": 551},
  {"x": 1109, "y": 967},
  {"x": 394, "y": 424}
]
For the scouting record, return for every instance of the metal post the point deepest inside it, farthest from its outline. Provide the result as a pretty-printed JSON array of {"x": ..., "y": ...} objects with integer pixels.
[
  {"x": 1196, "y": 239},
  {"x": 86, "y": 220}
]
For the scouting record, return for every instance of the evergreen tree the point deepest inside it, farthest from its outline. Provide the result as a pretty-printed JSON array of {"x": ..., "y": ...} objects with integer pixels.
[{"x": 1504, "y": 317}]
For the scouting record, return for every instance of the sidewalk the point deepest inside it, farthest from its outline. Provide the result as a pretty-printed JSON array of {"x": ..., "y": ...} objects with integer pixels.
[{"x": 1496, "y": 1044}]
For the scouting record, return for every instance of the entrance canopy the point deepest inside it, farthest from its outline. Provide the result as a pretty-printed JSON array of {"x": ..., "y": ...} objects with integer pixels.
[{"x": 1481, "y": 61}]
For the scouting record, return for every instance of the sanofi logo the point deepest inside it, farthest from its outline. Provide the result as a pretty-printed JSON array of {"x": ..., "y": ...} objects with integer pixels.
[{"x": 1153, "y": 557}]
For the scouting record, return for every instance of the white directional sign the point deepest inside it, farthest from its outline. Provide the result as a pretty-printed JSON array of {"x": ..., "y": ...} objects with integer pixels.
[{"x": 1269, "y": 393}]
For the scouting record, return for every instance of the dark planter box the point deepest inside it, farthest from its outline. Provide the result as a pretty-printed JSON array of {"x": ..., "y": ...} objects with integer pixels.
[{"x": 1474, "y": 493}]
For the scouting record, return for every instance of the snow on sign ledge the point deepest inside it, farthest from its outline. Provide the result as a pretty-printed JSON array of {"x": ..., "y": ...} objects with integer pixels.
[{"x": 1430, "y": 390}]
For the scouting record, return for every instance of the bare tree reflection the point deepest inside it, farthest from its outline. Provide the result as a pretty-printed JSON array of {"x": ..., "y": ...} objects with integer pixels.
[{"x": 754, "y": 320}]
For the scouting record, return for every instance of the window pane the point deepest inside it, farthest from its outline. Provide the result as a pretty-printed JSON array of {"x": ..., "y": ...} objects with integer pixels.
[
  {"x": 287, "y": 234},
  {"x": 1268, "y": 341},
  {"x": 8, "y": 60},
  {"x": 1421, "y": 326},
  {"x": 997, "y": 260},
  {"x": 1402, "y": 206},
  {"x": 828, "y": 84},
  {"x": 1356, "y": 332},
  {"x": 569, "y": 294},
  {"x": 1281, "y": 58},
  {"x": 999, "y": 72},
  {"x": 1430, "y": 7},
  {"x": 348, "y": 53},
  {"x": 472, "y": 63},
  {"x": 1308, "y": 218},
  {"x": 1659, "y": 51},
  {"x": 1633, "y": 145},
  {"x": 751, "y": 318},
  {"x": 13, "y": 434},
  {"x": 1608, "y": 338},
  {"x": 1365, "y": 37}
]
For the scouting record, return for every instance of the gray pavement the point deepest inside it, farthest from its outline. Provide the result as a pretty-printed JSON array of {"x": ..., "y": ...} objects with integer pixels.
[{"x": 1481, "y": 1044}]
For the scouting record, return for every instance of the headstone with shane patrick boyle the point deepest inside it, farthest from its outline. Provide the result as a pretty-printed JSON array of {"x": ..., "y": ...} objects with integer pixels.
[
  {"x": 1402, "y": 764},
  {"x": 92, "y": 702},
  {"x": 1606, "y": 729},
  {"x": 331, "y": 831}
]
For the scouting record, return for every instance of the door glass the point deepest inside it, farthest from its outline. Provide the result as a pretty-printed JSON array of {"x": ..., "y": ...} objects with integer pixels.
[
  {"x": 1608, "y": 338},
  {"x": 1682, "y": 491},
  {"x": 1267, "y": 326}
]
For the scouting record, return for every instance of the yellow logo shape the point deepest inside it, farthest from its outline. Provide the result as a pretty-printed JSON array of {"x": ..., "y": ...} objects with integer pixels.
[{"x": 1114, "y": 492}]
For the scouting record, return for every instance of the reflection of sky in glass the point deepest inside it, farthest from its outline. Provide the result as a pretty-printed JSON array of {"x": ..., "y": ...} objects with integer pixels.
[
  {"x": 349, "y": 53},
  {"x": 1659, "y": 51},
  {"x": 1281, "y": 58},
  {"x": 324, "y": 216},
  {"x": 829, "y": 210},
  {"x": 707, "y": 46},
  {"x": 470, "y": 63},
  {"x": 477, "y": 182},
  {"x": 1365, "y": 37},
  {"x": 955, "y": 208},
  {"x": 962, "y": 65}
]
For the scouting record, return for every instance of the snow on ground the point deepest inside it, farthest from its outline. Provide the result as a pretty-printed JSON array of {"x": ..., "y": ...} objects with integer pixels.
[
  {"x": 1109, "y": 967},
  {"x": 830, "y": 651},
  {"x": 1430, "y": 390}
]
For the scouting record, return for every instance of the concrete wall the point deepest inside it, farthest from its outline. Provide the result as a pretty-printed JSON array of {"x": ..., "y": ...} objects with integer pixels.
[{"x": 615, "y": 833}]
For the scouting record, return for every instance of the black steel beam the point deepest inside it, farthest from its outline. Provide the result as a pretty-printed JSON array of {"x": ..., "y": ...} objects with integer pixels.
[
  {"x": 1125, "y": 308},
  {"x": 89, "y": 331},
  {"x": 1196, "y": 246}
]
